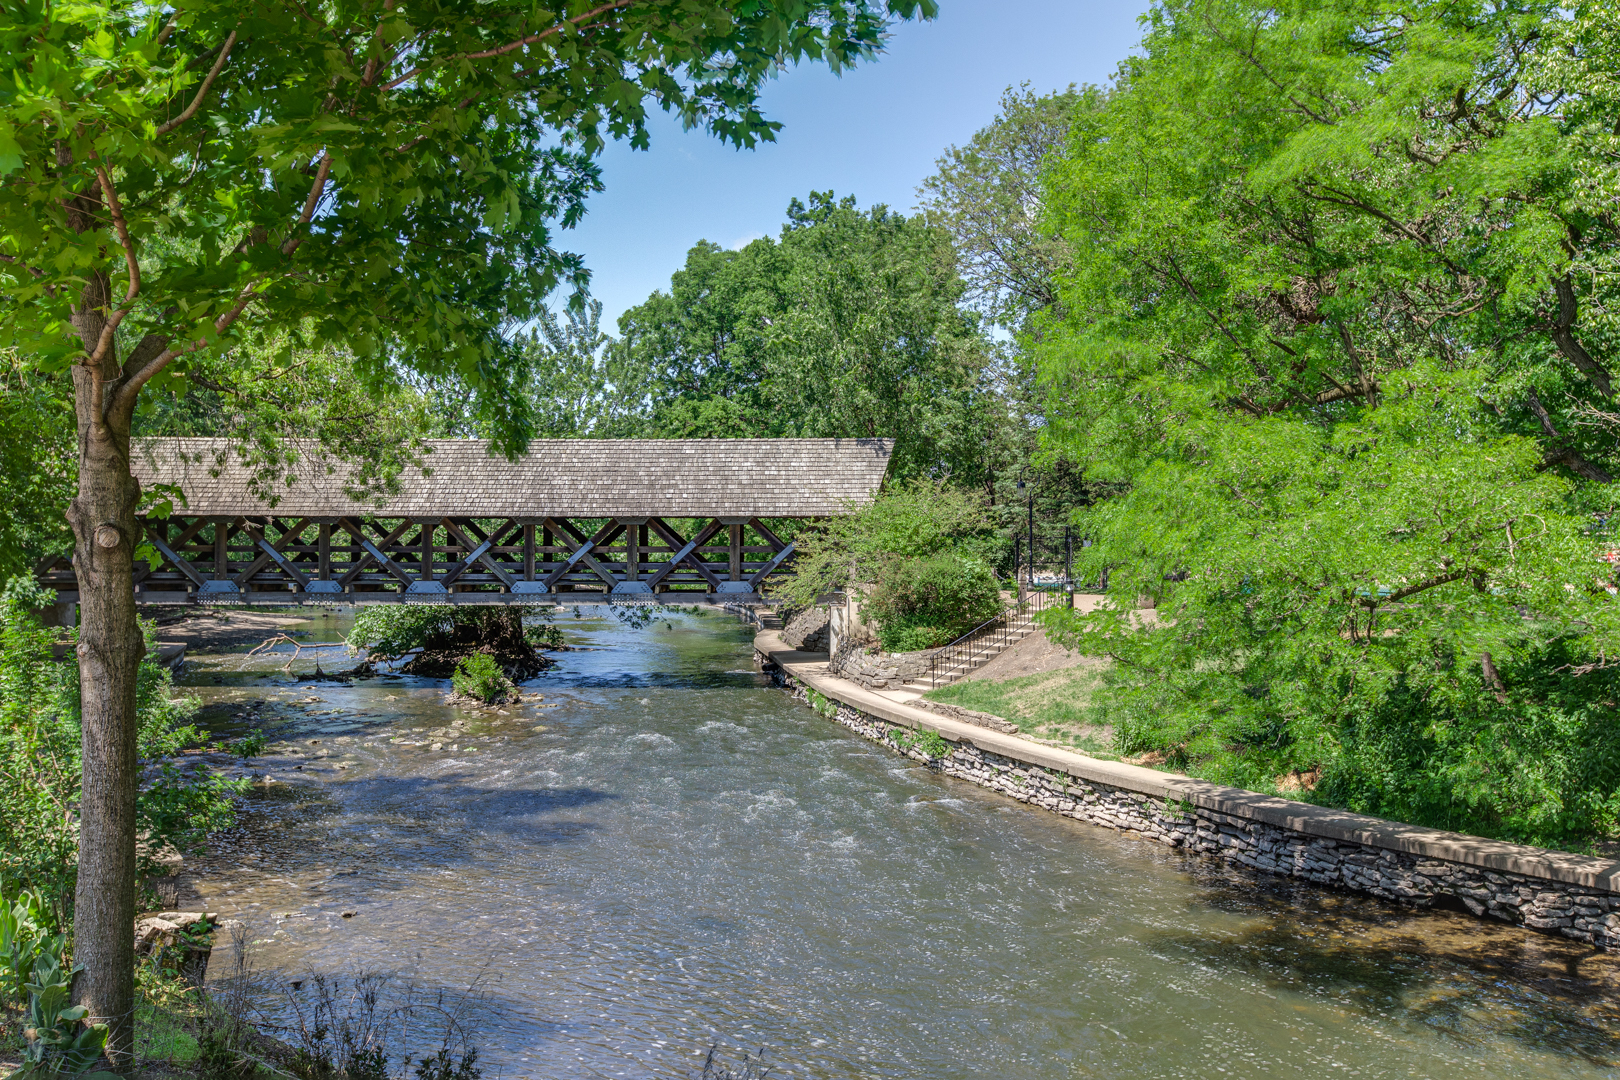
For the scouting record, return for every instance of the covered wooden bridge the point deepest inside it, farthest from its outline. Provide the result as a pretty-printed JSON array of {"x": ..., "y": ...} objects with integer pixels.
[{"x": 572, "y": 520}]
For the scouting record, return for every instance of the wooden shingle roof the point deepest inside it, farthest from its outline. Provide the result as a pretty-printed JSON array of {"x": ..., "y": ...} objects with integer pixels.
[{"x": 556, "y": 477}]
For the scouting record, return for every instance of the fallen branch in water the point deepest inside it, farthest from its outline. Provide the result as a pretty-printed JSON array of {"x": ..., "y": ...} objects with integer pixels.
[{"x": 267, "y": 646}]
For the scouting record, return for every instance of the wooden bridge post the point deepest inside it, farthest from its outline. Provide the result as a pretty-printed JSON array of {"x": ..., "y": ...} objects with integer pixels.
[
  {"x": 528, "y": 552},
  {"x": 222, "y": 566},
  {"x": 736, "y": 551}
]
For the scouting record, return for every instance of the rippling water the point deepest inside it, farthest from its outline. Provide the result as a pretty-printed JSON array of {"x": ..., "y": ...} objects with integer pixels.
[{"x": 685, "y": 856}]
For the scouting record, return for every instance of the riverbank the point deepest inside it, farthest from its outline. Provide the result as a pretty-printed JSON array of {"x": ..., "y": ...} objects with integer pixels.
[
  {"x": 668, "y": 852},
  {"x": 1573, "y": 896}
]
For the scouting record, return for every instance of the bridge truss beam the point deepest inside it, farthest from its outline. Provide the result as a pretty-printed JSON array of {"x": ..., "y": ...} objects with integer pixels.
[{"x": 285, "y": 559}]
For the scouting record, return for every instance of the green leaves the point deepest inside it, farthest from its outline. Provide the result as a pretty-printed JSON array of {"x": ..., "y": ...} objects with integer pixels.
[
  {"x": 846, "y": 325},
  {"x": 388, "y": 179},
  {"x": 1308, "y": 323}
]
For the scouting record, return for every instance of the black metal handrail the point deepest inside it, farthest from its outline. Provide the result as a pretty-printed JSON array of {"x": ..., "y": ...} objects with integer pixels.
[{"x": 993, "y": 632}]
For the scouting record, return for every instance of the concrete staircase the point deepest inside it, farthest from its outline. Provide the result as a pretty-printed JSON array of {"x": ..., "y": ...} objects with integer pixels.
[{"x": 980, "y": 646}]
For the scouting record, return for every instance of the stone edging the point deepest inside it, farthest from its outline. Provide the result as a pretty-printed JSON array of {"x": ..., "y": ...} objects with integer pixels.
[{"x": 1574, "y": 896}]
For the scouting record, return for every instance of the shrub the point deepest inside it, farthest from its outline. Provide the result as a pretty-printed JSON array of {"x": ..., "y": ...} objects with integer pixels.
[
  {"x": 920, "y": 519},
  {"x": 480, "y": 677},
  {"x": 446, "y": 633},
  {"x": 39, "y": 758},
  {"x": 921, "y": 603}
]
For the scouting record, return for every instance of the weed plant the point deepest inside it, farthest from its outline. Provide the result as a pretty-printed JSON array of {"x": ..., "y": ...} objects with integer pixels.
[{"x": 481, "y": 678}]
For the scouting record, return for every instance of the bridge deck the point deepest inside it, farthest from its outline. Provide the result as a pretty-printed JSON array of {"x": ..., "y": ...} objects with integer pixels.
[{"x": 572, "y": 521}]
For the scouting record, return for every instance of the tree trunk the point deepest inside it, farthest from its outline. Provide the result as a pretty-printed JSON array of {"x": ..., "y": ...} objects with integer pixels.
[{"x": 110, "y": 651}]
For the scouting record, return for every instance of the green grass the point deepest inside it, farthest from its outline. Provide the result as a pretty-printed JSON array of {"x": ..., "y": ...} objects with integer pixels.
[
  {"x": 163, "y": 1037},
  {"x": 1047, "y": 706}
]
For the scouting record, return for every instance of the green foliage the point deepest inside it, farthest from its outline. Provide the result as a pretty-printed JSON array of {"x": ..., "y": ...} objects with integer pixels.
[
  {"x": 408, "y": 217},
  {"x": 1323, "y": 322},
  {"x": 931, "y": 743},
  {"x": 481, "y": 678},
  {"x": 847, "y": 324},
  {"x": 392, "y": 630},
  {"x": 39, "y": 754},
  {"x": 820, "y": 702},
  {"x": 285, "y": 402},
  {"x": 914, "y": 519},
  {"x": 25, "y": 936},
  {"x": 988, "y": 195},
  {"x": 251, "y": 745},
  {"x": 60, "y": 1043},
  {"x": 445, "y": 1066},
  {"x": 920, "y": 603},
  {"x": 36, "y": 467}
]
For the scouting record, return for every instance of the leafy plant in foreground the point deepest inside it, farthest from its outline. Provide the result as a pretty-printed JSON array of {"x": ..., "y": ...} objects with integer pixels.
[
  {"x": 39, "y": 758},
  {"x": 60, "y": 1043},
  {"x": 480, "y": 677}
]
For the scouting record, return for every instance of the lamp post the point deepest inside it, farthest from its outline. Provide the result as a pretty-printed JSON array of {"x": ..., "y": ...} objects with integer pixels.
[{"x": 1030, "y": 576}]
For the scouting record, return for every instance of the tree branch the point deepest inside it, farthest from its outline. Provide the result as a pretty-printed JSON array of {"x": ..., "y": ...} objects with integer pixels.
[
  {"x": 1563, "y": 335},
  {"x": 520, "y": 43},
  {"x": 116, "y": 317},
  {"x": 1422, "y": 586},
  {"x": 140, "y": 376},
  {"x": 315, "y": 190},
  {"x": 1559, "y": 455},
  {"x": 202, "y": 91}
]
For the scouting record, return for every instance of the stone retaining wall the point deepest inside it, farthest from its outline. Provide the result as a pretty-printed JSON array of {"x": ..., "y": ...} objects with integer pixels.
[
  {"x": 879, "y": 670},
  {"x": 1570, "y": 910}
]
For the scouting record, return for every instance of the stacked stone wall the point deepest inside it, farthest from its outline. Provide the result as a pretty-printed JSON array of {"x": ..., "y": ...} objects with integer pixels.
[
  {"x": 879, "y": 670},
  {"x": 1570, "y": 910}
]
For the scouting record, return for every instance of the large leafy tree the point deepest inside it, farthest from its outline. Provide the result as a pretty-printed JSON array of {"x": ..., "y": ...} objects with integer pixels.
[
  {"x": 1337, "y": 312},
  {"x": 384, "y": 175},
  {"x": 989, "y": 196},
  {"x": 846, "y": 324}
]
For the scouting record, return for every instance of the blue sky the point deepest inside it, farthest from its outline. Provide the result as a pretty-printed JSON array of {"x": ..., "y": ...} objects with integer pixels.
[{"x": 875, "y": 133}]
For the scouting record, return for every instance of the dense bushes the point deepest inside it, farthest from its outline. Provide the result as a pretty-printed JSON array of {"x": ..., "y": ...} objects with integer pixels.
[
  {"x": 915, "y": 520},
  {"x": 446, "y": 634},
  {"x": 922, "y": 603},
  {"x": 39, "y": 759},
  {"x": 923, "y": 549},
  {"x": 1364, "y": 472}
]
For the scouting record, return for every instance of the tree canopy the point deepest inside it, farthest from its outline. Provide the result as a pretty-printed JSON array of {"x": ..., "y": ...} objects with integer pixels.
[
  {"x": 1335, "y": 318},
  {"x": 847, "y": 324}
]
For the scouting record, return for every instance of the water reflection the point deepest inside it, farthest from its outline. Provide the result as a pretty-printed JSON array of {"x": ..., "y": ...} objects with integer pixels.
[{"x": 665, "y": 852}]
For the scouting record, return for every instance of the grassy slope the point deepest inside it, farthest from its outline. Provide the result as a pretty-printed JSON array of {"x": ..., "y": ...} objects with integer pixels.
[{"x": 1045, "y": 706}]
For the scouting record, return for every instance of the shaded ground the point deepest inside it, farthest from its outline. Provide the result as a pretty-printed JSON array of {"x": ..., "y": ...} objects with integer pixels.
[{"x": 1039, "y": 687}]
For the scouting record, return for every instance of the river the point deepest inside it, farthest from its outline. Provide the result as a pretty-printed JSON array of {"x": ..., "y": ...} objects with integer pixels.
[{"x": 667, "y": 854}]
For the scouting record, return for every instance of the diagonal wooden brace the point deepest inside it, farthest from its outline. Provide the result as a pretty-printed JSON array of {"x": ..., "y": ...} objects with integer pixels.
[
  {"x": 685, "y": 551},
  {"x": 583, "y": 553},
  {"x": 168, "y": 553},
  {"x": 372, "y": 550},
  {"x": 776, "y": 542},
  {"x": 479, "y": 553},
  {"x": 781, "y": 556},
  {"x": 270, "y": 553},
  {"x": 281, "y": 560}
]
